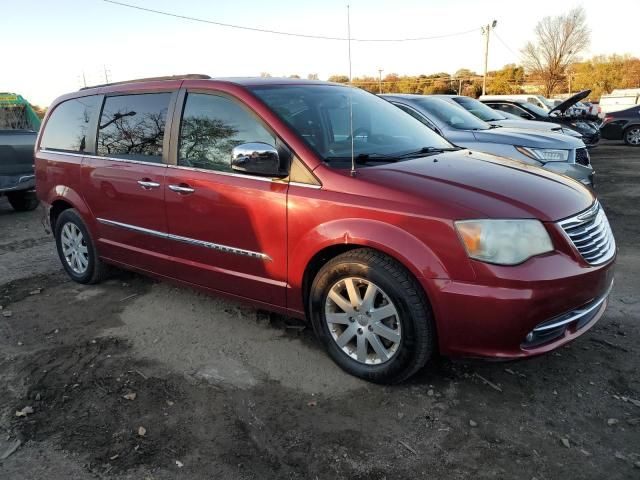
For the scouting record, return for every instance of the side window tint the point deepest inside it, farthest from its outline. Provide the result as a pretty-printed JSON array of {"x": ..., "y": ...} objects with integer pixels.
[
  {"x": 132, "y": 126},
  {"x": 509, "y": 108},
  {"x": 68, "y": 125},
  {"x": 211, "y": 127}
]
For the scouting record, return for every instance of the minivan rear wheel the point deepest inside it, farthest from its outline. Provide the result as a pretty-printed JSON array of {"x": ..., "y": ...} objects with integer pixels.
[
  {"x": 76, "y": 249},
  {"x": 372, "y": 316}
]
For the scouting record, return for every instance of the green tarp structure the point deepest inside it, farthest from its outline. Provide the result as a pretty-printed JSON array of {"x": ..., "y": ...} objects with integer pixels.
[{"x": 16, "y": 113}]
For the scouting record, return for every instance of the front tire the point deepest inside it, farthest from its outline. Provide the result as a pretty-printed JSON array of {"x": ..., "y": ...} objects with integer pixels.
[
  {"x": 372, "y": 316},
  {"x": 77, "y": 250},
  {"x": 23, "y": 201},
  {"x": 632, "y": 136}
]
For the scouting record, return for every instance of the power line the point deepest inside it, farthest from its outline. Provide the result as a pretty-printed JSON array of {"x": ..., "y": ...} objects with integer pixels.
[
  {"x": 278, "y": 32},
  {"x": 505, "y": 45}
]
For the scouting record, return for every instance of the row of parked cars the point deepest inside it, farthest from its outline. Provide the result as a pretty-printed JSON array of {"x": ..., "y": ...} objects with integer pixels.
[
  {"x": 510, "y": 126},
  {"x": 400, "y": 227}
]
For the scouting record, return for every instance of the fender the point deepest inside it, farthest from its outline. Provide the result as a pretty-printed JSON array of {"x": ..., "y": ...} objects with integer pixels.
[
  {"x": 73, "y": 198},
  {"x": 417, "y": 257}
]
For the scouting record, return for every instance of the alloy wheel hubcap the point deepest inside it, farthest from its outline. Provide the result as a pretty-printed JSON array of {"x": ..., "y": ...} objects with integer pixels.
[
  {"x": 363, "y": 321},
  {"x": 634, "y": 136},
  {"x": 74, "y": 248}
]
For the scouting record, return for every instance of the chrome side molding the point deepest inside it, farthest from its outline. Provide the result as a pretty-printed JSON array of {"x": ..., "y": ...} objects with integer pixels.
[{"x": 178, "y": 238}]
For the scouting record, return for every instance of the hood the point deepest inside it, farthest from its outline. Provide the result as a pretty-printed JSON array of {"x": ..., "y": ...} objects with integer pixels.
[
  {"x": 471, "y": 184},
  {"x": 572, "y": 100},
  {"x": 536, "y": 125},
  {"x": 528, "y": 138}
]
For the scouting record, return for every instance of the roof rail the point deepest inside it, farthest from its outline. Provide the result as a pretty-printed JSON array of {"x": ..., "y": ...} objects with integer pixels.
[{"x": 188, "y": 76}]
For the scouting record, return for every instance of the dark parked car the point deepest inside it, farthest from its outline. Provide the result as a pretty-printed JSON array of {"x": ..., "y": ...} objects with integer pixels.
[
  {"x": 246, "y": 188},
  {"x": 623, "y": 125},
  {"x": 18, "y": 130},
  {"x": 523, "y": 109}
]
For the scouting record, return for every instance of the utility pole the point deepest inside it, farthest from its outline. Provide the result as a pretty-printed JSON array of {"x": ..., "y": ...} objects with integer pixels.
[
  {"x": 84, "y": 80},
  {"x": 106, "y": 73},
  {"x": 485, "y": 30},
  {"x": 380, "y": 80}
]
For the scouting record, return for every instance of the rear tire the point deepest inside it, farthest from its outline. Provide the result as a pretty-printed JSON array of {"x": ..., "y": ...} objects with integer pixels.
[
  {"x": 77, "y": 250},
  {"x": 350, "y": 298},
  {"x": 632, "y": 136},
  {"x": 23, "y": 201}
]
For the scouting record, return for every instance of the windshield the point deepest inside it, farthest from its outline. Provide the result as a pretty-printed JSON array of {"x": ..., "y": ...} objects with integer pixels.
[
  {"x": 479, "y": 109},
  {"x": 320, "y": 114},
  {"x": 453, "y": 116}
]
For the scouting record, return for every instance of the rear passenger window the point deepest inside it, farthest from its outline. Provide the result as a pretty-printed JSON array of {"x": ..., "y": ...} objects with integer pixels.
[
  {"x": 132, "y": 126},
  {"x": 68, "y": 125},
  {"x": 211, "y": 126}
]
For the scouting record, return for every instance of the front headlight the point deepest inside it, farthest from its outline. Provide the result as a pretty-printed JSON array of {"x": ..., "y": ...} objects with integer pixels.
[
  {"x": 504, "y": 242},
  {"x": 545, "y": 154}
]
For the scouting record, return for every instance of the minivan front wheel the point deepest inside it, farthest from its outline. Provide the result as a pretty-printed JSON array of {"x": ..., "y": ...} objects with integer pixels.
[
  {"x": 76, "y": 249},
  {"x": 372, "y": 316}
]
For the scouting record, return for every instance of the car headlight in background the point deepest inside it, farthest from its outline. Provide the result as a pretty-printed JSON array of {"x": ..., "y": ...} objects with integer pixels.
[
  {"x": 545, "y": 154},
  {"x": 504, "y": 242}
]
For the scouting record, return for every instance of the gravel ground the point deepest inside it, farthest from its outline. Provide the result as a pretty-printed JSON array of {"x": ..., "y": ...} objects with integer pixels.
[{"x": 224, "y": 391}]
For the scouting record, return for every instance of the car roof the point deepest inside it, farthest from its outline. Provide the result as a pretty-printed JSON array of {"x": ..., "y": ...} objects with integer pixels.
[
  {"x": 243, "y": 81},
  {"x": 505, "y": 100}
]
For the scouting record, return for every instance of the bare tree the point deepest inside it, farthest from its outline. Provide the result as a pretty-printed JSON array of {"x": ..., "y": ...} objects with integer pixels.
[{"x": 558, "y": 40}]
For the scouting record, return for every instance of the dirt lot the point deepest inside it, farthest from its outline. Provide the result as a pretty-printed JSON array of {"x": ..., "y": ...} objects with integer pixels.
[{"x": 224, "y": 391}]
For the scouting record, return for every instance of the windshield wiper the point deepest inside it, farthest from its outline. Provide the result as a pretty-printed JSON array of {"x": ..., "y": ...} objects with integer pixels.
[
  {"x": 367, "y": 157},
  {"x": 382, "y": 157},
  {"x": 424, "y": 151}
]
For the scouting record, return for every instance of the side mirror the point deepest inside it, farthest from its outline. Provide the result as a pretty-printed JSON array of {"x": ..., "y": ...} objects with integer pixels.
[{"x": 257, "y": 158}]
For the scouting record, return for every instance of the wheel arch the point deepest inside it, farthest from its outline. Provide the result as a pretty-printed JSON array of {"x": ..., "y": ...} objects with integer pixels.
[
  {"x": 329, "y": 240},
  {"x": 61, "y": 198}
]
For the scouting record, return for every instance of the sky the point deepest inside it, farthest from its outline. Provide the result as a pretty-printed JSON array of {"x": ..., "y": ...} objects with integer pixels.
[{"x": 49, "y": 45}]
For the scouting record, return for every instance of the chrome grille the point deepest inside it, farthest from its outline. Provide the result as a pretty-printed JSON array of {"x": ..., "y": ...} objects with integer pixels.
[
  {"x": 582, "y": 157},
  {"x": 591, "y": 234}
]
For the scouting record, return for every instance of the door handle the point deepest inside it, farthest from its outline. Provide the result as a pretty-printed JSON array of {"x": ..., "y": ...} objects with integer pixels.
[
  {"x": 181, "y": 188},
  {"x": 147, "y": 184}
]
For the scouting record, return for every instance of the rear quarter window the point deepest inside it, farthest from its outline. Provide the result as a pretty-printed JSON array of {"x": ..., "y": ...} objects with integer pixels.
[{"x": 68, "y": 125}]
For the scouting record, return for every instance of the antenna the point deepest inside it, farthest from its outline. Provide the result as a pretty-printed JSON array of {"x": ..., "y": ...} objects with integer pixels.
[{"x": 353, "y": 158}]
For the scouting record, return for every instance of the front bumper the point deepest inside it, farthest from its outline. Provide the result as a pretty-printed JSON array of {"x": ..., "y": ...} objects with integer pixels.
[
  {"x": 495, "y": 316},
  {"x": 568, "y": 323},
  {"x": 12, "y": 183},
  {"x": 591, "y": 140},
  {"x": 582, "y": 173}
]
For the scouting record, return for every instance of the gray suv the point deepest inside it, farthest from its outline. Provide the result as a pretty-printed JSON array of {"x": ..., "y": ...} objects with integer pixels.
[{"x": 554, "y": 151}]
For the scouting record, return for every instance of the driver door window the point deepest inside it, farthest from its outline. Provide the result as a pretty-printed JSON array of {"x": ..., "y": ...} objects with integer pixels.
[{"x": 212, "y": 125}]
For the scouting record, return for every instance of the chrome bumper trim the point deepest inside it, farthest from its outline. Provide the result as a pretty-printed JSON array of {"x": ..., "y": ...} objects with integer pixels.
[{"x": 574, "y": 315}]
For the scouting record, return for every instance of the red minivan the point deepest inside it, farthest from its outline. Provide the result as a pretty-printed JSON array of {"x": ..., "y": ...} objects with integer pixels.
[{"x": 325, "y": 202}]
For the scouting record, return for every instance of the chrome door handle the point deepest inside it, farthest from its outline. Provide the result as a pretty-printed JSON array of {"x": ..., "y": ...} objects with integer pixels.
[
  {"x": 181, "y": 189},
  {"x": 148, "y": 184}
]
